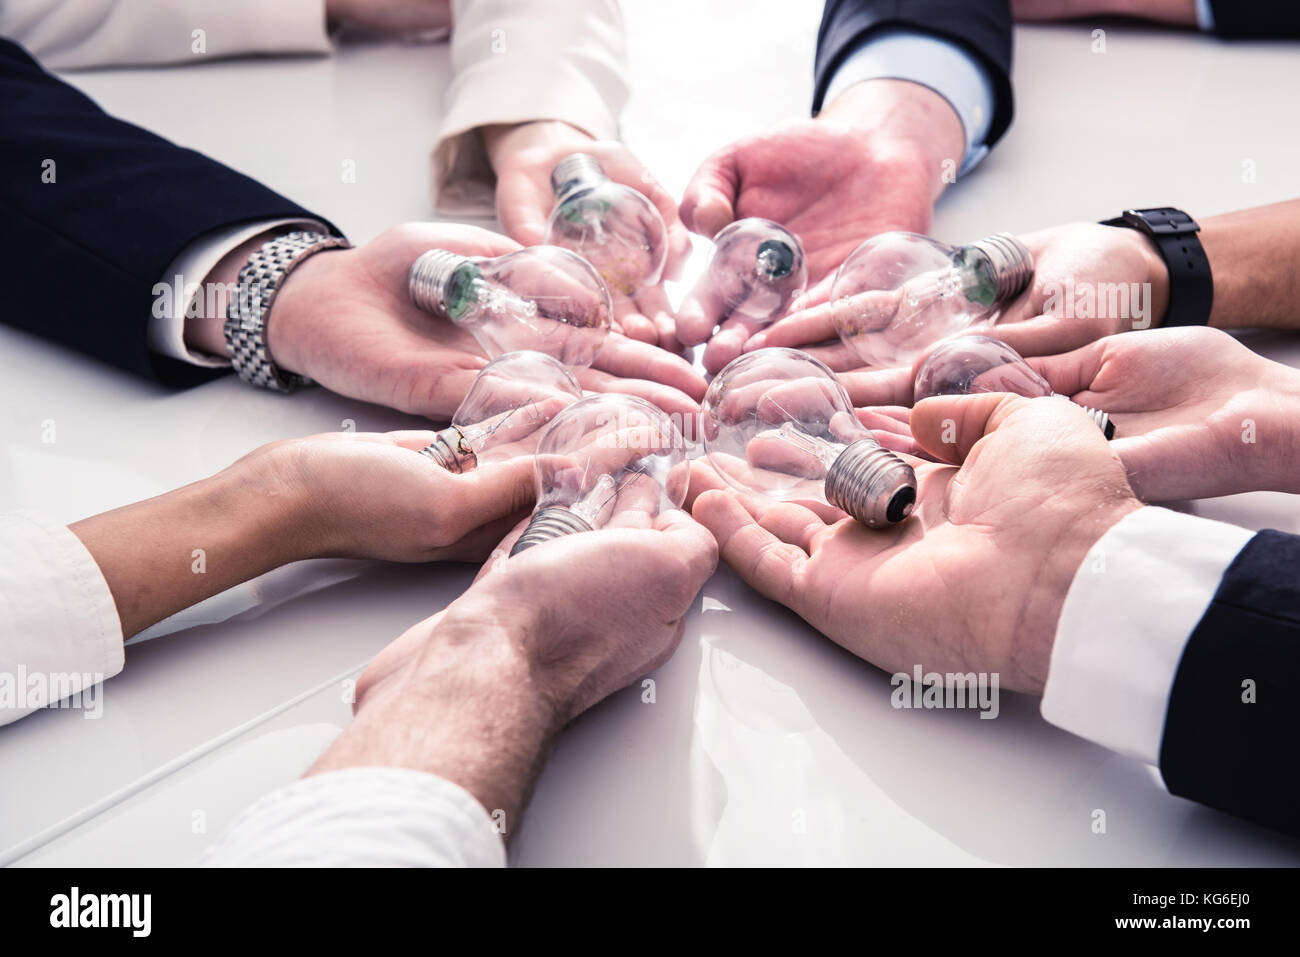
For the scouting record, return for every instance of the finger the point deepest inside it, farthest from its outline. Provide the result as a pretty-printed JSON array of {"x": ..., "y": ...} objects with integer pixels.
[
  {"x": 948, "y": 426},
  {"x": 479, "y": 543},
  {"x": 703, "y": 478},
  {"x": 700, "y": 313},
  {"x": 428, "y": 388},
  {"x": 838, "y": 357},
  {"x": 665, "y": 397},
  {"x": 653, "y": 303},
  {"x": 818, "y": 294},
  {"x": 793, "y": 524},
  {"x": 1041, "y": 336},
  {"x": 691, "y": 542},
  {"x": 878, "y": 387},
  {"x": 1072, "y": 372},
  {"x": 495, "y": 491},
  {"x": 709, "y": 201},
  {"x": 630, "y": 359},
  {"x": 797, "y": 329},
  {"x": 632, "y": 323},
  {"x": 727, "y": 343},
  {"x": 759, "y": 557},
  {"x": 892, "y": 418}
]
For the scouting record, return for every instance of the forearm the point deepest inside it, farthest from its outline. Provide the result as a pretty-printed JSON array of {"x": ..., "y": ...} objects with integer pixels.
[
  {"x": 1254, "y": 258},
  {"x": 467, "y": 708},
  {"x": 162, "y": 555}
]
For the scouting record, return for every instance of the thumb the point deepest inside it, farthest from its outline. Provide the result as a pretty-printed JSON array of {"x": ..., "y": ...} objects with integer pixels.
[
  {"x": 948, "y": 426},
  {"x": 1073, "y": 372},
  {"x": 1040, "y": 336},
  {"x": 499, "y": 489},
  {"x": 708, "y": 203}
]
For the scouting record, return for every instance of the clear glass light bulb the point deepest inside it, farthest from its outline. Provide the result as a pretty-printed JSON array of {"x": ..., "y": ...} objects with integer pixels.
[
  {"x": 612, "y": 225},
  {"x": 778, "y": 423},
  {"x": 756, "y": 269},
  {"x": 964, "y": 365},
  {"x": 898, "y": 293},
  {"x": 511, "y": 401},
  {"x": 543, "y": 298},
  {"x": 606, "y": 461}
]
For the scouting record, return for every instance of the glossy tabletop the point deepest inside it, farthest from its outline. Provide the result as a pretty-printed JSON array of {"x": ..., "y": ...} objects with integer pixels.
[{"x": 762, "y": 742}]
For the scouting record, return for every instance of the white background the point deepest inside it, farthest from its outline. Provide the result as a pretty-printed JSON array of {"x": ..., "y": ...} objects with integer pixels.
[{"x": 766, "y": 743}]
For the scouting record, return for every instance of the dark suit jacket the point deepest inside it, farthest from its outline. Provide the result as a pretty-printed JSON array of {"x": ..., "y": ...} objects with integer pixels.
[
  {"x": 983, "y": 27},
  {"x": 83, "y": 251},
  {"x": 1256, "y": 19},
  {"x": 1220, "y": 747}
]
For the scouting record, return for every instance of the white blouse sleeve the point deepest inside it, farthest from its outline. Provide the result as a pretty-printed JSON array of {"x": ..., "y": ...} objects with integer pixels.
[
  {"x": 59, "y": 631},
  {"x": 520, "y": 60},
  {"x": 74, "y": 34}
]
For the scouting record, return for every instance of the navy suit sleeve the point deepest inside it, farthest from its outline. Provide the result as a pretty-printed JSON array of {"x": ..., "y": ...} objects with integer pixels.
[
  {"x": 982, "y": 27},
  {"x": 1233, "y": 718},
  {"x": 92, "y": 212},
  {"x": 1256, "y": 19}
]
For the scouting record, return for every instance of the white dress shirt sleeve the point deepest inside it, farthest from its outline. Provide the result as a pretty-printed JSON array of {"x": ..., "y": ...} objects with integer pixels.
[
  {"x": 513, "y": 62},
  {"x": 1204, "y": 16},
  {"x": 1130, "y": 610},
  {"x": 74, "y": 34},
  {"x": 59, "y": 630},
  {"x": 943, "y": 66},
  {"x": 177, "y": 293},
  {"x": 363, "y": 817}
]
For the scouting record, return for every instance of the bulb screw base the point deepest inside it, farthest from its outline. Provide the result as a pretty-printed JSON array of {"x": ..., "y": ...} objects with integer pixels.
[
  {"x": 1013, "y": 264},
  {"x": 1100, "y": 418},
  {"x": 872, "y": 484},
  {"x": 554, "y": 521},
  {"x": 574, "y": 170},
  {"x": 450, "y": 451},
  {"x": 430, "y": 277}
]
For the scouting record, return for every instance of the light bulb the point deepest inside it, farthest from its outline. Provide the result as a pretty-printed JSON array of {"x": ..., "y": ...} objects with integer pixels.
[
  {"x": 756, "y": 269},
  {"x": 605, "y": 461},
  {"x": 898, "y": 293},
  {"x": 511, "y": 401},
  {"x": 964, "y": 365},
  {"x": 543, "y": 298},
  {"x": 612, "y": 225},
  {"x": 778, "y": 423}
]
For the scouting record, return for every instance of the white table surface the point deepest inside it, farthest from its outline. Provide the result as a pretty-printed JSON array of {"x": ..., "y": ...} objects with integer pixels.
[{"x": 765, "y": 743}]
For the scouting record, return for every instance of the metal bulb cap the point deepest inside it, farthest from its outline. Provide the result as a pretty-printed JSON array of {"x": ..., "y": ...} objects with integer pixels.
[
  {"x": 872, "y": 484},
  {"x": 430, "y": 277},
  {"x": 1012, "y": 262},
  {"x": 575, "y": 169},
  {"x": 554, "y": 521}
]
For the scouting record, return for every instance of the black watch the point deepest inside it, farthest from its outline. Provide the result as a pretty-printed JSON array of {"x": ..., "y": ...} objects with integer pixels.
[{"x": 1191, "y": 287}]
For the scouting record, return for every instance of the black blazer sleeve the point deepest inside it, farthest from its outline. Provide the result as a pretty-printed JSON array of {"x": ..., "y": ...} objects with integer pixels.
[
  {"x": 83, "y": 251},
  {"x": 983, "y": 27},
  {"x": 1256, "y": 19},
  {"x": 1219, "y": 747}
]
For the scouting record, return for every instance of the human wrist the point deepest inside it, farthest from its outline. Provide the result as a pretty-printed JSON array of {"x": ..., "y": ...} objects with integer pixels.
[
  {"x": 465, "y": 708},
  {"x": 1157, "y": 274},
  {"x": 1267, "y": 445},
  {"x": 502, "y": 140},
  {"x": 1078, "y": 535},
  {"x": 289, "y": 320},
  {"x": 905, "y": 121}
]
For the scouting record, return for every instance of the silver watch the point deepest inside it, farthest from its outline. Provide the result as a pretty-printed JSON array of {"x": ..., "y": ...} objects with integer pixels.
[{"x": 259, "y": 280}]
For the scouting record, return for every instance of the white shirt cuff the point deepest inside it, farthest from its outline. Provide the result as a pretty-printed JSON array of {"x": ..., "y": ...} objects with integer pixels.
[
  {"x": 1204, "y": 16},
  {"x": 1134, "y": 602},
  {"x": 60, "y": 635},
  {"x": 943, "y": 66},
  {"x": 363, "y": 817},
  {"x": 182, "y": 290}
]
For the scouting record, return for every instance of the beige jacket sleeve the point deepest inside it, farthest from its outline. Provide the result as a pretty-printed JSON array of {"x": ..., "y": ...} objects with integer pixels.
[
  {"x": 519, "y": 60},
  {"x": 73, "y": 34}
]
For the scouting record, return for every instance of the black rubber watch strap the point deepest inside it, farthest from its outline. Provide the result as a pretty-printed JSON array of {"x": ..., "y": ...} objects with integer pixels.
[{"x": 1191, "y": 286}]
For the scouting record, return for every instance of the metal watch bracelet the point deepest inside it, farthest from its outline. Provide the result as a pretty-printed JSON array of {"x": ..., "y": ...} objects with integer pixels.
[{"x": 250, "y": 306}]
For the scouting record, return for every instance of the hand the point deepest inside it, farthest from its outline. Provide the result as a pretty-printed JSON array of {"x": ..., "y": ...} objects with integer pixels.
[
  {"x": 344, "y": 318},
  {"x": 524, "y": 156},
  {"x": 1089, "y": 281},
  {"x": 1166, "y": 11},
  {"x": 1196, "y": 413},
  {"x": 371, "y": 495},
  {"x": 475, "y": 693},
  {"x": 974, "y": 580},
  {"x": 390, "y": 15},
  {"x": 872, "y": 161}
]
